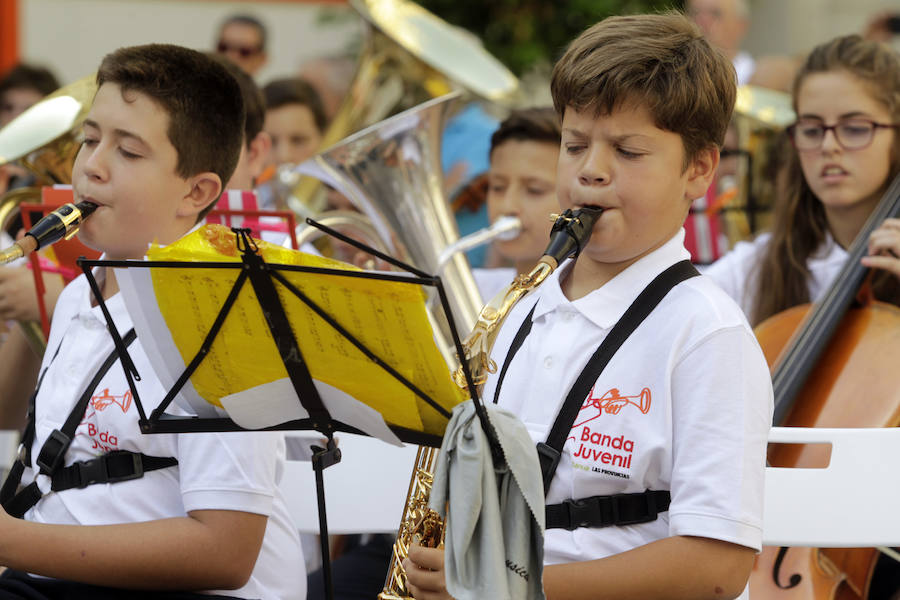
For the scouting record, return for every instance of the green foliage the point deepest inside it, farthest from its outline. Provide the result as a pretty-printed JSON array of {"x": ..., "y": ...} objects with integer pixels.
[{"x": 524, "y": 33}]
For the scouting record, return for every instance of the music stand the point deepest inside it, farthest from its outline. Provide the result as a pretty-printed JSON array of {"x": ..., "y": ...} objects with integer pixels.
[{"x": 262, "y": 277}]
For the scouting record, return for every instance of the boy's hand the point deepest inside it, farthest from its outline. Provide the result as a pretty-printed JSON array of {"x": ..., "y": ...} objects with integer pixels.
[
  {"x": 884, "y": 247},
  {"x": 425, "y": 573}
]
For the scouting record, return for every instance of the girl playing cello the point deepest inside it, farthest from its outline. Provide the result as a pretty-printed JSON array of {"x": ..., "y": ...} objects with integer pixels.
[{"x": 846, "y": 152}]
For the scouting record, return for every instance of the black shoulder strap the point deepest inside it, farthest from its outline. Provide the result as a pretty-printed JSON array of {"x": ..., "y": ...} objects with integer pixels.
[
  {"x": 521, "y": 334},
  {"x": 110, "y": 467},
  {"x": 549, "y": 451},
  {"x": 23, "y": 458},
  {"x": 54, "y": 449}
]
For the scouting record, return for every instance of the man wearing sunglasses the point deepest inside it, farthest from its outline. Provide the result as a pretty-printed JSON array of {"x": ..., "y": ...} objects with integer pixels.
[{"x": 242, "y": 39}]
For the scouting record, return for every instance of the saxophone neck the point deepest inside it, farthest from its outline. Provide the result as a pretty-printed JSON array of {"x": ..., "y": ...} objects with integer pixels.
[
  {"x": 480, "y": 342},
  {"x": 571, "y": 232}
]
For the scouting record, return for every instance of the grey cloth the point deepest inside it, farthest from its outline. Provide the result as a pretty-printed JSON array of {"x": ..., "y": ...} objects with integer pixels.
[{"x": 494, "y": 536}]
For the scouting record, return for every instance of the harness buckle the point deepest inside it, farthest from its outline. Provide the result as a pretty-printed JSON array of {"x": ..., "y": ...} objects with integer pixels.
[
  {"x": 581, "y": 513},
  {"x": 53, "y": 452},
  {"x": 97, "y": 470},
  {"x": 548, "y": 456}
]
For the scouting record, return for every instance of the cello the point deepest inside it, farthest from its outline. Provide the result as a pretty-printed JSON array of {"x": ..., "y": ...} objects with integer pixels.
[{"x": 834, "y": 364}]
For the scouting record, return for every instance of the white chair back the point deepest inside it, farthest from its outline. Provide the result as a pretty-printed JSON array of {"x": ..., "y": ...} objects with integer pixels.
[
  {"x": 850, "y": 503},
  {"x": 364, "y": 493}
]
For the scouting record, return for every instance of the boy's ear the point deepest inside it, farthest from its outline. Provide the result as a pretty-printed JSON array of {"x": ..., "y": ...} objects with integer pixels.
[
  {"x": 258, "y": 153},
  {"x": 205, "y": 189},
  {"x": 701, "y": 171}
]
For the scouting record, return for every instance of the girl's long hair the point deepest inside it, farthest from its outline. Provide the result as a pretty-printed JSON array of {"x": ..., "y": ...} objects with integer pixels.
[{"x": 799, "y": 224}]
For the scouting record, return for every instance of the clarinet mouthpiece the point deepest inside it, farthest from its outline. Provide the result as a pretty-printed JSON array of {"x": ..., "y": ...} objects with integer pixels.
[
  {"x": 571, "y": 232},
  {"x": 63, "y": 222}
]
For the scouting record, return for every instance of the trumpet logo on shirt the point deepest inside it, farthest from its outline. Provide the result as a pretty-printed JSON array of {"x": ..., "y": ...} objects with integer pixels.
[
  {"x": 600, "y": 446},
  {"x": 612, "y": 402},
  {"x": 104, "y": 400}
]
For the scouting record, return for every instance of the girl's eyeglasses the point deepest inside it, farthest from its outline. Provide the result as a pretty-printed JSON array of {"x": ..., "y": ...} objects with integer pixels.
[{"x": 851, "y": 134}]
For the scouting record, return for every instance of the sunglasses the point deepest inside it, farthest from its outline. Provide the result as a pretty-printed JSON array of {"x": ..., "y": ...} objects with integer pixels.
[{"x": 242, "y": 51}]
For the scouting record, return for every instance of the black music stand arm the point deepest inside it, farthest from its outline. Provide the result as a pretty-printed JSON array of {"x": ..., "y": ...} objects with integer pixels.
[
  {"x": 301, "y": 379},
  {"x": 323, "y": 458}
]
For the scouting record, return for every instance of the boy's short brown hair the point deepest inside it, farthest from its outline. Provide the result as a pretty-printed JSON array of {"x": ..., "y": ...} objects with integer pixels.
[
  {"x": 660, "y": 62},
  {"x": 203, "y": 101},
  {"x": 254, "y": 104},
  {"x": 529, "y": 125},
  {"x": 295, "y": 90}
]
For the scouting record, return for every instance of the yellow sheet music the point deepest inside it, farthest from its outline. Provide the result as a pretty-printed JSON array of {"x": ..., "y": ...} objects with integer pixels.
[{"x": 387, "y": 317}]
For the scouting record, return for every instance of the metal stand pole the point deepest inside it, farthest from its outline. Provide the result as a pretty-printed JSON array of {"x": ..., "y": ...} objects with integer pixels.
[{"x": 322, "y": 459}]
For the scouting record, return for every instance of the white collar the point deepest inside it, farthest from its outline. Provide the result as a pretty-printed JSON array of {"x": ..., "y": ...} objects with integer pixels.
[{"x": 605, "y": 305}]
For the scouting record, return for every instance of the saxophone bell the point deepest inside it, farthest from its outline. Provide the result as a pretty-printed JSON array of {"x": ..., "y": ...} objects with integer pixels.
[{"x": 63, "y": 222}]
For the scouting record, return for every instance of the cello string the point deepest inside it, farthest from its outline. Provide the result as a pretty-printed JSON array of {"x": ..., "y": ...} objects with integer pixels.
[{"x": 819, "y": 326}]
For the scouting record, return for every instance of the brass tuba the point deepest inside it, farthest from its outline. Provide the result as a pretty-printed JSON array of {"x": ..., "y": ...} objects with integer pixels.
[
  {"x": 409, "y": 56},
  {"x": 44, "y": 140},
  {"x": 392, "y": 174}
]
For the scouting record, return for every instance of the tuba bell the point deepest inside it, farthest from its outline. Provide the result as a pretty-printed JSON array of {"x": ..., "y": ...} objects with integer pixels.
[
  {"x": 44, "y": 140},
  {"x": 409, "y": 56},
  {"x": 391, "y": 172}
]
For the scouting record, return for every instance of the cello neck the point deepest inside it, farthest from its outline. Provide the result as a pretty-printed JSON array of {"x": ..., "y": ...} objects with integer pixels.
[{"x": 812, "y": 337}]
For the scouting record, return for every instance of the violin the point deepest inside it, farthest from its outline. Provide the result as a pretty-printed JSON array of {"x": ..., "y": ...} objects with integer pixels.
[{"x": 834, "y": 364}]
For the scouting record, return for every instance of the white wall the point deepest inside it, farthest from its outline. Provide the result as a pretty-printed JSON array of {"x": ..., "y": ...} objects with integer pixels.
[{"x": 71, "y": 36}]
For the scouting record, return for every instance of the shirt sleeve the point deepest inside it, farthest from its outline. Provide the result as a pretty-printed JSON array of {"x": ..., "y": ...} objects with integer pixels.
[
  {"x": 230, "y": 471},
  {"x": 721, "y": 415},
  {"x": 735, "y": 272}
]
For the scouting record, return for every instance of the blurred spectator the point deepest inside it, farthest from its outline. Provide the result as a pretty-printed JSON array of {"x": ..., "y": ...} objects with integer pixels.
[
  {"x": 883, "y": 27},
  {"x": 331, "y": 77},
  {"x": 242, "y": 38},
  {"x": 776, "y": 72},
  {"x": 21, "y": 87},
  {"x": 725, "y": 23},
  {"x": 295, "y": 120}
]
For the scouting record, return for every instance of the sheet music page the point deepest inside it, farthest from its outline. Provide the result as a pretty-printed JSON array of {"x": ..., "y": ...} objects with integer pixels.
[{"x": 243, "y": 373}]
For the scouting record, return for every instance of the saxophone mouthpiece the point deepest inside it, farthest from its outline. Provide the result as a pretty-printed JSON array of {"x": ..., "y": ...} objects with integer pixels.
[
  {"x": 571, "y": 232},
  {"x": 63, "y": 222}
]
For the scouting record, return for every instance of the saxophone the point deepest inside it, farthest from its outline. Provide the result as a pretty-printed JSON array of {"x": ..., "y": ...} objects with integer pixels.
[{"x": 419, "y": 524}]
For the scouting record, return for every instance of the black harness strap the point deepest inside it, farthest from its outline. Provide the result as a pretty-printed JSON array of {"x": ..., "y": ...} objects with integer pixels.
[
  {"x": 604, "y": 511},
  {"x": 521, "y": 334},
  {"x": 119, "y": 465},
  {"x": 8, "y": 490},
  {"x": 53, "y": 451},
  {"x": 619, "y": 509}
]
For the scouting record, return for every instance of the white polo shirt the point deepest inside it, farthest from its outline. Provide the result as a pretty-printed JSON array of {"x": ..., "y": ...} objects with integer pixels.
[
  {"x": 215, "y": 471},
  {"x": 491, "y": 282},
  {"x": 736, "y": 272},
  {"x": 685, "y": 405}
]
